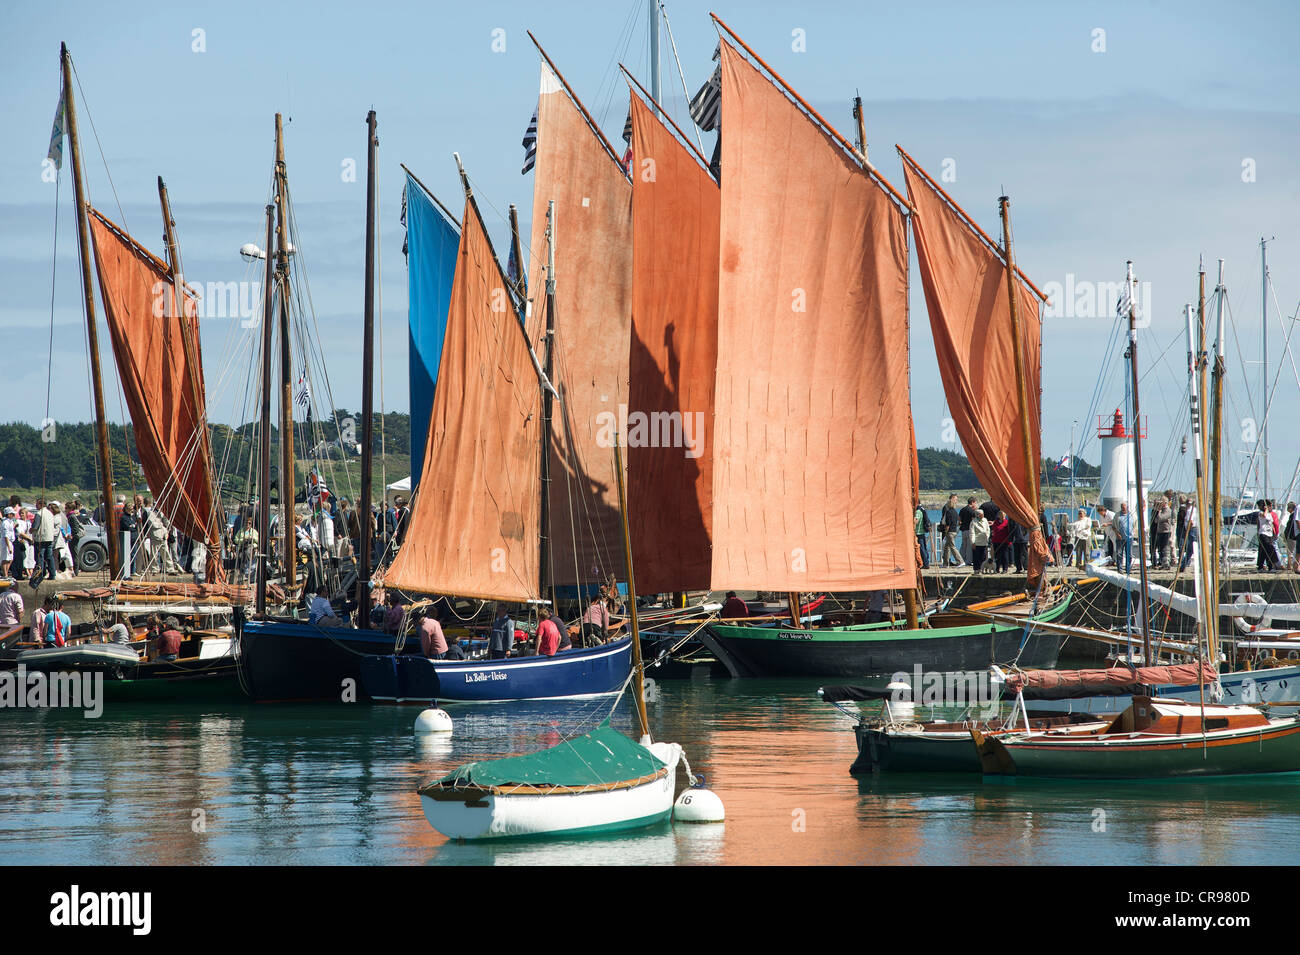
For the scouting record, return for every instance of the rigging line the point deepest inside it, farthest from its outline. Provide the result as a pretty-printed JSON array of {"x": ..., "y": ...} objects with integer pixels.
[
  {"x": 85, "y": 106},
  {"x": 49, "y": 365},
  {"x": 609, "y": 77},
  {"x": 686, "y": 93}
]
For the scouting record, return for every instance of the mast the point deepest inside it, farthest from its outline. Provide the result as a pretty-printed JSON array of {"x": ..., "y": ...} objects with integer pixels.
[
  {"x": 192, "y": 359},
  {"x": 1206, "y": 597},
  {"x": 367, "y": 384},
  {"x": 88, "y": 296},
  {"x": 638, "y": 671},
  {"x": 1212, "y": 531},
  {"x": 1072, "y": 426},
  {"x": 546, "y": 585},
  {"x": 656, "y": 89},
  {"x": 1137, "y": 456},
  {"x": 862, "y": 125},
  {"x": 516, "y": 252},
  {"x": 1017, "y": 341},
  {"x": 1202, "y": 359},
  {"x": 288, "y": 479},
  {"x": 1263, "y": 338},
  {"x": 264, "y": 457}
]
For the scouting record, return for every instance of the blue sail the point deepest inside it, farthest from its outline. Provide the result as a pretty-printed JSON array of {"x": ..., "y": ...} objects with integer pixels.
[{"x": 432, "y": 241}]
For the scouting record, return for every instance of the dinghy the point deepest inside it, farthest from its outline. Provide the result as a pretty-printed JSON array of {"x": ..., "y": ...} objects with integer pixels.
[{"x": 598, "y": 782}]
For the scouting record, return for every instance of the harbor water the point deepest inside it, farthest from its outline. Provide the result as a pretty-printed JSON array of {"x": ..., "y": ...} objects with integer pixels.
[{"x": 240, "y": 784}]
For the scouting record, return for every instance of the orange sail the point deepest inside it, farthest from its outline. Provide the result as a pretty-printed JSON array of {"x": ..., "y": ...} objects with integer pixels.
[
  {"x": 812, "y": 455},
  {"x": 593, "y": 299},
  {"x": 675, "y": 209},
  {"x": 965, "y": 282},
  {"x": 475, "y": 519},
  {"x": 158, "y": 380}
]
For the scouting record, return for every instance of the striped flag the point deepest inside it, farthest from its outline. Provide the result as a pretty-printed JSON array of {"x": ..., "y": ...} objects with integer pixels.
[
  {"x": 530, "y": 144},
  {"x": 706, "y": 105},
  {"x": 55, "y": 154},
  {"x": 627, "y": 125},
  {"x": 303, "y": 397},
  {"x": 1064, "y": 462}
]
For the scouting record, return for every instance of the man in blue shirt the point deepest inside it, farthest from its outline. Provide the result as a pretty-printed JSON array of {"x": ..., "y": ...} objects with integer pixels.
[
  {"x": 1123, "y": 530},
  {"x": 502, "y": 639}
]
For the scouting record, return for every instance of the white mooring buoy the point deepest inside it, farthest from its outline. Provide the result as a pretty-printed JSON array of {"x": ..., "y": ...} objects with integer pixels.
[
  {"x": 699, "y": 805},
  {"x": 432, "y": 721},
  {"x": 900, "y": 705}
]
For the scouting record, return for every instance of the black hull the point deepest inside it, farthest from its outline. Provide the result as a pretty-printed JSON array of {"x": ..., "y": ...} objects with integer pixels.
[
  {"x": 770, "y": 658},
  {"x": 297, "y": 662}
]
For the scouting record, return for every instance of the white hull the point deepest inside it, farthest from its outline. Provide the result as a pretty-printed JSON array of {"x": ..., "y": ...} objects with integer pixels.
[{"x": 515, "y": 815}]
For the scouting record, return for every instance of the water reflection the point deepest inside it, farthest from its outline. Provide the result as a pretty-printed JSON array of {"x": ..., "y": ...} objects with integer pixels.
[{"x": 336, "y": 785}]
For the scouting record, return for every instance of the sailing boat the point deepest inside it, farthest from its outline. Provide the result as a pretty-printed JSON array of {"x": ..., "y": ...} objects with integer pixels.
[
  {"x": 153, "y": 320},
  {"x": 1243, "y": 683},
  {"x": 803, "y": 429}
]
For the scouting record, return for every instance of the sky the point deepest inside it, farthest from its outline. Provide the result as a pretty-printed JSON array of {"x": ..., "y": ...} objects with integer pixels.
[{"x": 1151, "y": 131}]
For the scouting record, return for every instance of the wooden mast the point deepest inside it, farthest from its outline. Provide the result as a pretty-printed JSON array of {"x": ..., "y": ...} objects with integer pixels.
[
  {"x": 288, "y": 479},
  {"x": 1210, "y": 535},
  {"x": 638, "y": 672},
  {"x": 197, "y": 397},
  {"x": 366, "y": 534},
  {"x": 1137, "y": 461},
  {"x": 546, "y": 574},
  {"x": 516, "y": 252},
  {"x": 88, "y": 297},
  {"x": 1017, "y": 343},
  {"x": 264, "y": 458}
]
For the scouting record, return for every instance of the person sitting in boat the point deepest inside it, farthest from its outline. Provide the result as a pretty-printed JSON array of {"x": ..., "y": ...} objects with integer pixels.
[
  {"x": 502, "y": 638},
  {"x": 734, "y": 608},
  {"x": 433, "y": 642},
  {"x": 395, "y": 614},
  {"x": 58, "y": 625},
  {"x": 595, "y": 622},
  {"x": 548, "y": 638},
  {"x": 11, "y": 609},
  {"x": 321, "y": 612},
  {"x": 37, "y": 629},
  {"x": 168, "y": 644}
]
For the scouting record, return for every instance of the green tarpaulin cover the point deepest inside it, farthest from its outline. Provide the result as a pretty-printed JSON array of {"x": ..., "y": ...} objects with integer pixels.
[{"x": 600, "y": 757}]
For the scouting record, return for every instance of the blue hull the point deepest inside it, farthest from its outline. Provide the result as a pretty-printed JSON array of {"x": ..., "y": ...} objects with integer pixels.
[
  {"x": 570, "y": 674},
  {"x": 298, "y": 662}
]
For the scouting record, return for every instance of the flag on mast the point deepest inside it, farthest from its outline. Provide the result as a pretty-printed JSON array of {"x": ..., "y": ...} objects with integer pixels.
[{"x": 55, "y": 155}]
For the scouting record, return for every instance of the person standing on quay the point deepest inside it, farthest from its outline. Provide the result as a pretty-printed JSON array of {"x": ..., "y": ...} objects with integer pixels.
[
  {"x": 1164, "y": 527},
  {"x": 948, "y": 525},
  {"x": 1122, "y": 528},
  {"x": 1082, "y": 529},
  {"x": 967, "y": 515},
  {"x": 921, "y": 523},
  {"x": 43, "y": 539},
  {"x": 979, "y": 535}
]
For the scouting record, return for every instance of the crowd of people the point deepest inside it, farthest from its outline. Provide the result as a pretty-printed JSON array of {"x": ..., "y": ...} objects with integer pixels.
[{"x": 982, "y": 537}]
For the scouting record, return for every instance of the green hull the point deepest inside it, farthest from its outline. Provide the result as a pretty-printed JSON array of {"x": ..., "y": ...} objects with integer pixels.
[
  {"x": 860, "y": 649},
  {"x": 1249, "y": 754}
]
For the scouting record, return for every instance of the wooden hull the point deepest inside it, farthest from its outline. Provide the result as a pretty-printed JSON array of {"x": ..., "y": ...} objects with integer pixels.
[
  {"x": 880, "y": 648},
  {"x": 474, "y": 815},
  {"x": 1275, "y": 749}
]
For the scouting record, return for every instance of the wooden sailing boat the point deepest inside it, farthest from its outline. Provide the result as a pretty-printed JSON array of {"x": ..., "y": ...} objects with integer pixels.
[
  {"x": 814, "y": 455},
  {"x": 155, "y": 341}
]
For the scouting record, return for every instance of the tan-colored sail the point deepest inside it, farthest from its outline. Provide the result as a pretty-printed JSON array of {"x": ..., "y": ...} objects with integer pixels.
[
  {"x": 811, "y": 481},
  {"x": 157, "y": 379},
  {"x": 965, "y": 283},
  {"x": 475, "y": 519},
  {"x": 675, "y": 210},
  {"x": 593, "y": 297}
]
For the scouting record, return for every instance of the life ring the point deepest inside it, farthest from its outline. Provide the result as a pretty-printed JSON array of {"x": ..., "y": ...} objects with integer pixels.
[{"x": 1264, "y": 622}]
